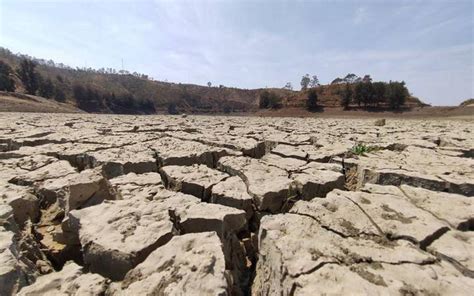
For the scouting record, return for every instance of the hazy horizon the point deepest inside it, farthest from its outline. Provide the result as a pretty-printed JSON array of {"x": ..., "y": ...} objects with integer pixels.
[{"x": 256, "y": 44}]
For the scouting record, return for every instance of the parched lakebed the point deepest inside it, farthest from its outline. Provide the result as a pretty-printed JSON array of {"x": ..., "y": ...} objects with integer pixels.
[{"x": 197, "y": 205}]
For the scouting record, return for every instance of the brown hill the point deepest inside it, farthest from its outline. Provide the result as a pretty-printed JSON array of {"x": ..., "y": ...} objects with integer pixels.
[
  {"x": 187, "y": 97},
  {"x": 112, "y": 91}
]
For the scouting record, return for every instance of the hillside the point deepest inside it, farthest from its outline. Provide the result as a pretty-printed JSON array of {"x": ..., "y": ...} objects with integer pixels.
[
  {"x": 467, "y": 103},
  {"x": 139, "y": 88},
  {"x": 14, "y": 102},
  {"x": 112, "y": 91}
]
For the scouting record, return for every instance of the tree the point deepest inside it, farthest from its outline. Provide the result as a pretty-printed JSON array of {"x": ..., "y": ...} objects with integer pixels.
[
  {"x": 28, "y": 76},
  {"x": 59, "y": 95},
  {"x": 264, "y": 100},
  {"x": 88, "y": 99},
  {"x": 347, "y": 96},
  {"x": 209, "y": 84},
  {"x": 314, "y": 82},
  {"x": 351, "y": 78},
  {"x": 367, "y": 79},
  {"x": 6, "y": 81},
  {"x": 305, "y": 82},
  {"x": 46, "y": 88},
  {"x": 379, "y": 92},
  {"x": 358, "y": 93},
  {"x": 288, "y": 86},
  {"x": 368, "y": 94},
  {"x": 364, "y": 93},
  {"x": 397, "y": 94},
  {"x": 79, "y": 93},
  {"x": 269, "y": 100},
  {"x": 312, "y": 102}
]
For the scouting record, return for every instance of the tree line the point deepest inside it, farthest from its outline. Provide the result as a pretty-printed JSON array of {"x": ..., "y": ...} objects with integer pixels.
[
  {"x": 93, "y": 100},
  {"x": 374, "y": 94},
  {"x": 354, "y": 90},
  {"x": 33, "y": 82}
]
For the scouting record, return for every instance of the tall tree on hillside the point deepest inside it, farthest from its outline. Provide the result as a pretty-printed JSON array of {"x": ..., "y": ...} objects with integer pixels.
[
  {"x": 314, "y": 82},
  {"x": 59, "y": 95},
  {"x": 351, "y": 78},
  {"x": 358, "y": 93},
  {"x": 397, "y": 94},
  {"x": 288, "y": 86},
  {"x": 367, "y": 93},
  {"x": 347, "y": 96},
  {"x": 6, "y": 81},
  {"x": 379, "y": 92},
  {"x": 46, "y": 88},
  {"x": 305, "y": 80},
  {"x": 209, "y": 84},
  {"x": 367, "y": 79},
  {"x": 29, "y": 76}
]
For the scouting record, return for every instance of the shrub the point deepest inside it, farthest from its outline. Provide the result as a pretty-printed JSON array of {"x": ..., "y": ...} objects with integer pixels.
[
  {"x": 312, "y": 101},
  {"x": 269, "y": 99}
]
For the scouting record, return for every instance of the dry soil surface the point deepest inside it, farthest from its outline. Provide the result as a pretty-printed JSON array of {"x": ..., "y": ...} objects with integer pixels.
[{"x": 196, "y": 205}]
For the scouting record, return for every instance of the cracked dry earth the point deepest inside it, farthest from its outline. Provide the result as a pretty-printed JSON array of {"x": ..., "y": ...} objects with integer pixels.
[{"x": 171, "y": 205}]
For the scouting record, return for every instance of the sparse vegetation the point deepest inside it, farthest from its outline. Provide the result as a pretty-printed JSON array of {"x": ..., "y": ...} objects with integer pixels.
[{"x": 361, "y": 149}]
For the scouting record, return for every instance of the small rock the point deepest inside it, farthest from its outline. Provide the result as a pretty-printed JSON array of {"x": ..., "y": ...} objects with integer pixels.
[
  {"x": 380, "y": 122},
  {"x": 43, "y": 267}
]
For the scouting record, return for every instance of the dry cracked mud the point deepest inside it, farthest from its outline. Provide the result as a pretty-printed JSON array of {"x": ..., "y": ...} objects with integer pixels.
[{"x": 196, "y": 205}]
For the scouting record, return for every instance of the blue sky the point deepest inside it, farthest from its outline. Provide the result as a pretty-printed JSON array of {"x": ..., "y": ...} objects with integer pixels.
[{"x": 251, "y": 44}]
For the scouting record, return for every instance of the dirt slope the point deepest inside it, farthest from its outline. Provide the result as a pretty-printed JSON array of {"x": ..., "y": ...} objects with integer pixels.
[{"x": 13, "y": 102}]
